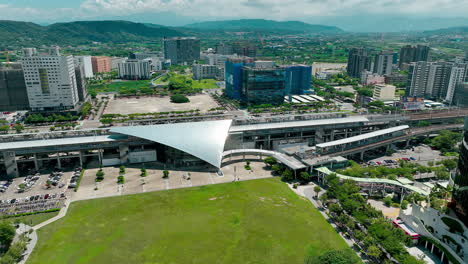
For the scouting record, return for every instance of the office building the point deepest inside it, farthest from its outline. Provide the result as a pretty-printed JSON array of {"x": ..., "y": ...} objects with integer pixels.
[
  {"x": 224, "y": 49},
  {"x": 181, "y": 50},
  {"x": 50, "y": 80},
  {"x": 233, "y": 76},
  {"x": 461, "y": 95},
  {"x": 297, "y": 79},
  {"x": 114, "y": 62},
  {"x": 204, "y": 71},
  {"x": 460, "y": 190},
  {"x": 436, "y": 80},
  {"x": 358, "y": 61},
  {"x": 383, "y": 63},
  {"x": 101, "y": 64},
  {"x": 261, "y": 85},
  {"x": 384, "y": 92},
  {"x": 13, "y": 92},
  {"x": 135, "y": 69},
  {"x": 85, "y": 61},
  {"x": 409, "y": 54},
  {"x": 81, "y": 83}
]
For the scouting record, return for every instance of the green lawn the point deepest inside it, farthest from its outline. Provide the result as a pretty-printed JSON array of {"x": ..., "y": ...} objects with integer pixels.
[
  {"x": 205, "y": 84},
  {"x": 119, "y": 86},
  {"x": 259, "y": 221},
  {"x": 33, "y": 220}
]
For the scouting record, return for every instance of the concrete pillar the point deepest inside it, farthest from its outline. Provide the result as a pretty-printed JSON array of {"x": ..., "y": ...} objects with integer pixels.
[
  {"x": 407, "y": 142},
  {"x": 36, "y": 164},
  {"x": 432, "y": 248},
  {"x": 425, "y": 246},
  {"x": 362, "y": 155},
  {"x": 123, "y": 151},
  {"x": 81, "y": 158},
  {"x": 442, "y": 257},
  {"x": 100, "y": 157},
  {"x": 10, "y": 164},
  {"x": 59, "y": 164}
]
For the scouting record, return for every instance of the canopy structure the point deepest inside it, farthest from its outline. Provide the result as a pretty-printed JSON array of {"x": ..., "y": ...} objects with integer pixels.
[{"x": 204, "y": 140}]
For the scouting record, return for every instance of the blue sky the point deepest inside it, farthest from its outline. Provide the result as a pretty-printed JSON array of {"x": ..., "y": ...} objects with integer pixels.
[{"x": 344, "y": 13}]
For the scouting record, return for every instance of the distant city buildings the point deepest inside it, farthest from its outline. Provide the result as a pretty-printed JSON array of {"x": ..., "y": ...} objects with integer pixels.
[
  {"x": 133, "y": 69},
  {"x": 87, "y": 64},
  {"x": 181, "y": 50},
  {"x": 383, "y": 63},
  {"x": 241, "y": 48},
  {"x": 358, "y": 61},
  {"x": 13, "y": 92},
  {"x": 436, "y": 80},
  {"x": 409, "y": 54},
  {"x": 396, "y": 78},
  {"x": 50, "y": 80},
  {"x": 101, "y": 64}
]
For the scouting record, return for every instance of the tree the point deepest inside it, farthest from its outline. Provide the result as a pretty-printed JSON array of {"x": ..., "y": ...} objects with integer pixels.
[
  {"x": 4, "y": 129},
  {"x": 99, "y": 175},
  {"x": 404, "y": 204},
  {"x": 122, "y": 169},
  {"x": 387, "y": 201},
  {"x": 317, "y": 190},
  {"x": 143, "y": 172},
  {"x": 18, "y": 128},
  {"x": 287, "y": 175},
  {"x": 165, "y": 174},
  {"x": 446, "y": 141},
  {"x": 374, "y": 251},
  {"x": 346, "y": 256},
  {"x": 7, "y": 233},
  {"x": 179, "y": 99},
  {"x": 270, "y": 161},
  {"x": 305, "y": 176}
]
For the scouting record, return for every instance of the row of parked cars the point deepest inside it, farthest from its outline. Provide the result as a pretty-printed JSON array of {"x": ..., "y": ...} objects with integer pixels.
[
  {"x": 4, "y": 185},
  {"x": 390, "y": 162},
  {"x": 54, "y": 178},
  {"x": 33, "y": 198},
  {"x": 74, "y": 178},
  {"x": 28, "y": 182}
]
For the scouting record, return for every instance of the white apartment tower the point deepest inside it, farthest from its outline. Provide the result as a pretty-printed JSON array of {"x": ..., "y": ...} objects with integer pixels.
[
  {"x": 85, "y": 61},
  {"x": 50, "y": 80}
]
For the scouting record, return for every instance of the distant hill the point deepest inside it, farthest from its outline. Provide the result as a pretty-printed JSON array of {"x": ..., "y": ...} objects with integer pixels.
[
  {"x": 263, "y": 25},
  {"x": 450, "y": 30},
  {"x": 81, "y": 32}
]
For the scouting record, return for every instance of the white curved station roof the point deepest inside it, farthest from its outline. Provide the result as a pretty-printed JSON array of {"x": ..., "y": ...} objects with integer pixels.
[{"x": 204, "y": 140}]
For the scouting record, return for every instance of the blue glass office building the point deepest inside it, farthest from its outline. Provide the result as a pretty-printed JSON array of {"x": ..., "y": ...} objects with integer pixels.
[
  {"x": 298, "y": 79},
  {"x": 233, "y": 76}
]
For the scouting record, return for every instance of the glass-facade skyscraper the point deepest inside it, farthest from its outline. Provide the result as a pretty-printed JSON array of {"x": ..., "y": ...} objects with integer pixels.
[{"x": 460, "y": 191}]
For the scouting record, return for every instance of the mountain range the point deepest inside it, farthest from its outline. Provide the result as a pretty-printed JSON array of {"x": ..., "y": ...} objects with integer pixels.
[{"x": 118, "y": 31}]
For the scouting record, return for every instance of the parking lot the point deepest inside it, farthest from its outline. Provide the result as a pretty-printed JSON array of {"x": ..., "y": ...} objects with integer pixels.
[
  {"x": 134, "y": 183},
  {"x": 38, "y": 188},
  {"x": 421, "y": 154}
]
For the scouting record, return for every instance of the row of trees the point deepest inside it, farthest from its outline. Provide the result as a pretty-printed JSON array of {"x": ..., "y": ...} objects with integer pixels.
[{"x": 366, "y": 224}]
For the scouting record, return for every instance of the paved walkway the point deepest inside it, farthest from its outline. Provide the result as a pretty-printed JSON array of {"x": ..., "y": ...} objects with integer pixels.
[{"x": 32, "y": 242}]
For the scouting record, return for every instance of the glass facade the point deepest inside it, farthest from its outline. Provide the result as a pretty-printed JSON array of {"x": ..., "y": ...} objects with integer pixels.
[
  {"x": 298, "y": 79},
  {"x": 263, "y": 86}
]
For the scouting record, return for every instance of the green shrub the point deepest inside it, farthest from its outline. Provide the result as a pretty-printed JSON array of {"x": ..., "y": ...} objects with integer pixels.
[
  {"x": 120, "y": 179},
  {"x": 179, "y": 99},
  {"x": 165, "y": 174},
  {"x": 100, "y": 175}
]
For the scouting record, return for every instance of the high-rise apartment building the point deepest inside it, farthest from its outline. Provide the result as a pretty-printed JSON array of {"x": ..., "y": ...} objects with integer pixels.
[
  {"x": 409, "y": 54},
  {"x": 85, "y": 61},
  {"x": 181, "y": 50},
  {"x": 50, "y": 80},
  {"x": 261, "y": 85},
  {"x": 241, "y": 48},
  {"x": 297, "y": 79},
  {"x": 101, "y": 64},
  {"x": 358, "y": 61},
  {"x": 437, "y": 80},
  {"x": 13, "y": 92},
  {"x": 383, "y": 63},
  {"x": 135, "y": 69}
]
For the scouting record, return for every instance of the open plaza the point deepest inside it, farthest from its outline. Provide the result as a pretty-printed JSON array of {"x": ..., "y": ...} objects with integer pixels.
[{"x": 155, "y": 104}]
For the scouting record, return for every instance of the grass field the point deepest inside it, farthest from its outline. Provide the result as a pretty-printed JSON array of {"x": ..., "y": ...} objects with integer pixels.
[
  {"x": 205, "y": 84},
  {"x": 259, "y": 221},
  {"x": 33, "y": 220},
  {"x": 119, "y": 86}
]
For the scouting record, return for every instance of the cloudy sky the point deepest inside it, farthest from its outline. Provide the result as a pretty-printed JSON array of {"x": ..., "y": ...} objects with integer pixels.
[{"x": 180, "y": 12}]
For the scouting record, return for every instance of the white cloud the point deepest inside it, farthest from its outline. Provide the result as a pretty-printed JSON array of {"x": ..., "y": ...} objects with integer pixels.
[{"x": 281, "y": 9}]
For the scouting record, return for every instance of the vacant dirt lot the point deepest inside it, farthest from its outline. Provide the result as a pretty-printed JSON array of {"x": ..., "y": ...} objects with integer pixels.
[{"x": 133, "y": 105}]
